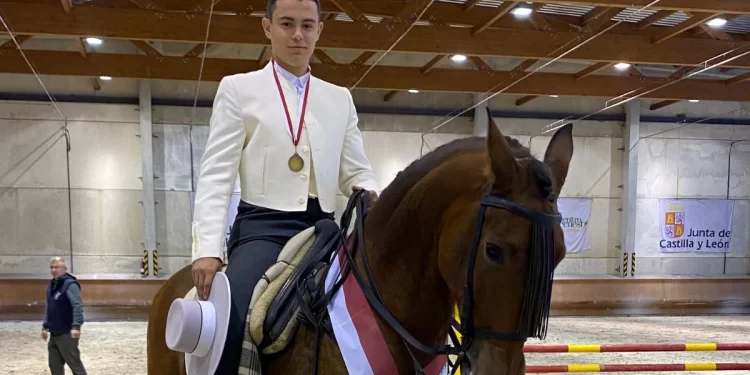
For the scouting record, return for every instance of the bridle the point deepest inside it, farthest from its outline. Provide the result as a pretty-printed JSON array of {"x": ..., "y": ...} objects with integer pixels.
[{"x": 538, "y": 288}]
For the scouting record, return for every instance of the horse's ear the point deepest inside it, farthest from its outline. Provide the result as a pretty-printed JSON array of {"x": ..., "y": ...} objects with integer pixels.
[
  {"x": 558, "y": 155},
  {"x": 504, "y": 165}
]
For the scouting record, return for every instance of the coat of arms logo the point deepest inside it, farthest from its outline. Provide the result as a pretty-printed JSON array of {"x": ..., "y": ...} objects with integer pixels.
[{"x": 674, "y": 221}]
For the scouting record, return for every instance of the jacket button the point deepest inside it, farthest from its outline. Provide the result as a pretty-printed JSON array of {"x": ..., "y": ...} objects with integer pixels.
[
  {"x": 303, "y": 176},
  {"x": 305, "y": 149},
  {"x": 301, "y": 200}
]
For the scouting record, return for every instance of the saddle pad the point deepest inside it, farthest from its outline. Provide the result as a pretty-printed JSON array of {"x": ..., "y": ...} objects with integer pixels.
[{"x": 268, "y": 287}]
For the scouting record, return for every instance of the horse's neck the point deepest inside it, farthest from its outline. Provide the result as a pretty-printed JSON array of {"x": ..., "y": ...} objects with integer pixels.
[{"x": 403, "y": 256}]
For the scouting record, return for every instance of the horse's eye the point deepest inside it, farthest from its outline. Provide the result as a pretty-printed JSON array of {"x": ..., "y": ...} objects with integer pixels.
[{"x": 495, "y": 253}]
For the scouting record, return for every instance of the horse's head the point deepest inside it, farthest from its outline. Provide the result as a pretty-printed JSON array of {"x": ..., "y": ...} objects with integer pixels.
[{"x": 508, "y": 240}]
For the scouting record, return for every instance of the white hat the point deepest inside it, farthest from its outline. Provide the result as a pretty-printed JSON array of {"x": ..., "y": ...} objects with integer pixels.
[{"x": 199, "y": 328}]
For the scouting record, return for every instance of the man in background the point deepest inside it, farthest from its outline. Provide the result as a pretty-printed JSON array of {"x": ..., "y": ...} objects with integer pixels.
[{"x": 63, "y": 319}]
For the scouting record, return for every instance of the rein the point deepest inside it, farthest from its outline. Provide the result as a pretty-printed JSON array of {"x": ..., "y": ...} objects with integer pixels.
[{"x": 538, "y": 287}]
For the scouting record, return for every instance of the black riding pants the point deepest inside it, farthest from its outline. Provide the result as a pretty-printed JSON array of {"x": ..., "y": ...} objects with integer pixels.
[{"x": 255, "y": 241}]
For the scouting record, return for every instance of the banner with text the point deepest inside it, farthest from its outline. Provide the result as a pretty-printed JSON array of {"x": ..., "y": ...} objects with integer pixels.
[
  {"x": 695, "y": 225},
  {"x": 575, "y": 223}
]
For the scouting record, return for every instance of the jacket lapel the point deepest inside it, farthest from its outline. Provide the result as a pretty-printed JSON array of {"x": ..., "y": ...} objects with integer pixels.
[{"x": 314, "y": 128}]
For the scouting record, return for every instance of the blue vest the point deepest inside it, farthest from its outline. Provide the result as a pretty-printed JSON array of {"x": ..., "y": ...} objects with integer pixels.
[{"x": 59, "y": 307}]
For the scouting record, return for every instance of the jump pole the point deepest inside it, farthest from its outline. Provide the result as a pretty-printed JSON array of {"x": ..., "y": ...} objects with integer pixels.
[
  {"x": 618, "y": 348},
  {"x": 593, "y": 367}
]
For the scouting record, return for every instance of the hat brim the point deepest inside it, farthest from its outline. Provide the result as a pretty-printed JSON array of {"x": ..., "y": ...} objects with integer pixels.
[{"x": 220, "y": 297}]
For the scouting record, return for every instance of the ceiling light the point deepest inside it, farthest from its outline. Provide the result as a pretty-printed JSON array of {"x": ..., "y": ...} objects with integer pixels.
[
  {"x": 717, "y": 22},
  {"x": 94, "y": 41},
  {"x": 694, "y": 100},
  {"x": 413, "y": 91},
  {"x": 622, "y": 66},
  {"x": 521, "y": 12},
  {"x": 554, "y": 96},
  {"x": 458, "y": 58},
  {"x": 105, "y": 78}
]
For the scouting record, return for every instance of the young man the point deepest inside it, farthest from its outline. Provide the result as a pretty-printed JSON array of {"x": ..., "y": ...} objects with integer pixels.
[
  {"x": 63, "y": 319},
  {"x": 293, "y": 140}
]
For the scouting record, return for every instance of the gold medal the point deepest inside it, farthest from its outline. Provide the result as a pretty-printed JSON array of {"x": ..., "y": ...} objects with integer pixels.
[{"x": 296, "y": 163}]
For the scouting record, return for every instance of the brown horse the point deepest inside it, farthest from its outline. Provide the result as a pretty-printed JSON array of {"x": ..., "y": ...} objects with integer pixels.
[{"x": 473, "y": 223}]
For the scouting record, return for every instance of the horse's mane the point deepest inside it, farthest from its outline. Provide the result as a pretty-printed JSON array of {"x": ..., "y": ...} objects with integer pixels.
[{"x": 419, "y": 168}]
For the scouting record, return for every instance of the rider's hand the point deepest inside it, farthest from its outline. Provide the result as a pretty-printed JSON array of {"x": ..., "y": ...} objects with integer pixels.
[
  {"x": 373, "y": 195},
  {"x": 204, "y": 270}
]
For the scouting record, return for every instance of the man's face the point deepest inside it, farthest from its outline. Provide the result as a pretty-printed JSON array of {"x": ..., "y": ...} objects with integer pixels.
[
  {"x": 294, "y": 30},
  {"x": 57, "y": 269}
]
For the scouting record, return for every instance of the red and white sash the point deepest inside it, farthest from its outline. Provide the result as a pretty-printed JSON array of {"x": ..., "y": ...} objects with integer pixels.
[{"x": 359, "y": 338}]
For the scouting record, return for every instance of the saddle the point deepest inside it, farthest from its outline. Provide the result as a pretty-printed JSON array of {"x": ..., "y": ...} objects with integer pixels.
[{"x": 283, "y": 296}]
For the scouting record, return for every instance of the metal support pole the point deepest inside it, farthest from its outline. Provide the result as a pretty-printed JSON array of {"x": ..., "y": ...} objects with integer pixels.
[
  {"x": 480, "y": 116},
  {"x": 628, "y": 195},
  {"x": 147, "y": 174}
]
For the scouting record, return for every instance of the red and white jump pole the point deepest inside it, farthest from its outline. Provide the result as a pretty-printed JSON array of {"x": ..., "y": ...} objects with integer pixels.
[
  {"x": 621, "y": 348},
  {"x": 592, "y": 367}
]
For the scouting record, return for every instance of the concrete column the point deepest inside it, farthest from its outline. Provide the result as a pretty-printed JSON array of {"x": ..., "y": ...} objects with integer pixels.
[
  {"x": 147, "y": 173},
  {"x": 480, "y": 116},
  {"x": 628, "y": 197}
]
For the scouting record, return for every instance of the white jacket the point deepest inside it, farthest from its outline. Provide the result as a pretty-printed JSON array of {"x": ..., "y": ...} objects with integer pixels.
[{"x": 249, "y": 136}]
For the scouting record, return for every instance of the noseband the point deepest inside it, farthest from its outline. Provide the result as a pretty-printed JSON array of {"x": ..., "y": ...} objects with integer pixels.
[{"x": 537, "y": 289}]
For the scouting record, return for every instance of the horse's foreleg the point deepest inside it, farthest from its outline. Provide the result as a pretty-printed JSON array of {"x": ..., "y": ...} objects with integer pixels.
[{"x": 160, "y": 359}]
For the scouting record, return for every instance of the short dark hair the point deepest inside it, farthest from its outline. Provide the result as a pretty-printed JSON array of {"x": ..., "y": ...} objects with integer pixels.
[{"x": 271, "y": 6}]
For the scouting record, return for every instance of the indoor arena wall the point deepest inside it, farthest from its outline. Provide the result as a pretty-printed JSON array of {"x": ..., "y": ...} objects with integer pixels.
[
  {"x": 105, "y": 170},
  {"x": 693, "y": 161}
]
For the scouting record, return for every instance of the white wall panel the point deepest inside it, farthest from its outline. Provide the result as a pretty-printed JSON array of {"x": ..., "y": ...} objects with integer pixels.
[
  {"x": 689, "y": 161},
  {"x": 658, "y": 168},
  {"x": 173, "y": 218},
  {"x": 739, "y": 182},
  {"x": 172, "y": 166},
  {"x": 703, "y": 169},
  {"x": 105, "y": 155},
  {"x": 32, "y": 154},
  {"x": 107, "y": 222}
]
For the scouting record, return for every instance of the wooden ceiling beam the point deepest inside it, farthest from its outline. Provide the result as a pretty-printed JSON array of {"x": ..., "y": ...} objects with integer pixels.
[
  {"x": 596, "y": 13},
  {"x": 10, "y": 44},
  {"x": 662, "y": 104},
  {"x": 514, "y": 43},
  {"x": 710, "y": 31},
  {"x": 654, "y": 18},
  {"x": 438, "y": 13},
  {"x": 470, "y": 4},
  {"x": 379, "y": 78},
  {"x": 244, "y": 6},
  {"x": 146, "y": 48},
  {"x": 500, "y": 12},
  {"x": 264, "y": 56},
  {"x": 740, "y": 78},
  {"x": 197, "y": 50},
  {"x": 66, "y": 5},
  {"x": 722, "y": 6},
  {"x": 695, "y": 20},
  {"x": 323, "y": 57},
  {"x": 426, "y": 69},
  {"x": 525, "y": 99},
  {"x": 363, "y": 57},
  {"x": 350, "y": 10},
  {"x": 590, "y": 70}
]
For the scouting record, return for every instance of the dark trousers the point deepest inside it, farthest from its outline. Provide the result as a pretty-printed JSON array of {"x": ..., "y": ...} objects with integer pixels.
[
  {"x": 256, "y": 239},
  {"x": 63, "y": 349}
]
